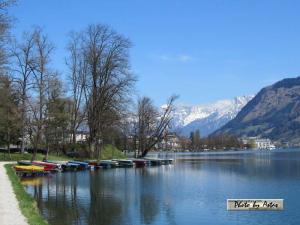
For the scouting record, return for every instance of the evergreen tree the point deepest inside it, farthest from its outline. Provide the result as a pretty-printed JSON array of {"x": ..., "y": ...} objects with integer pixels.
[
  {"x": 192, "y": 138},
  {"x": 197, "y": 140},
  {"x": 9, "y": 114},
  {"x": 57, "y": 116}
]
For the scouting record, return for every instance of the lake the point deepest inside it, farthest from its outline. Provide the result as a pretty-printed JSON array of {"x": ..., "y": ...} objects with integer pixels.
[{"x": 192, "y": 191}]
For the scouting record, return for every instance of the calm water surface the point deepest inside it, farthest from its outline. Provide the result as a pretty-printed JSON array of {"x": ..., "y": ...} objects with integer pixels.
[{"x": 192, "y": 191}]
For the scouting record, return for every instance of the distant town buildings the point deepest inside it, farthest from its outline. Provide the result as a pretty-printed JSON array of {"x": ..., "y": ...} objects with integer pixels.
[
  {"x": 170, "y": 142},
  {"x": 258, "y": 143}
]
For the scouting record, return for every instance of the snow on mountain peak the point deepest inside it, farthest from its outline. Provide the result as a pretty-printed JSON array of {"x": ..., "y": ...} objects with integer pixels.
[{"x": 222, "y": 110}]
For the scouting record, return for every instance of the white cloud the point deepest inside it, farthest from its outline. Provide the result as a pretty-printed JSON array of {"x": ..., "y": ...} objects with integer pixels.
[{"x": 177, "y": 58}]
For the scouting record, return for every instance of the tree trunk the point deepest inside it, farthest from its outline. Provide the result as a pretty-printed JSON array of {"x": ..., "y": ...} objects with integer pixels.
[
  {"x": 8, "y": 145},
  {"x": 143, "y": 154},
  {"x": 35, "y": 147},
  {"x": 23, "y": 123},
  {"x": 92, "y": 148},
  {"x": 73, "y": 139},
  {"x": 47, "y": 152},
  {"x": 34, "y": 153},
  {"x": 99, "y": 150},
  {"x": 23, "y": 142}
]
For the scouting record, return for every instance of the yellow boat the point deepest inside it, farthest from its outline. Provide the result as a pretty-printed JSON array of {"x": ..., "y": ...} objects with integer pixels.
[{"x": 29, "y": 168}]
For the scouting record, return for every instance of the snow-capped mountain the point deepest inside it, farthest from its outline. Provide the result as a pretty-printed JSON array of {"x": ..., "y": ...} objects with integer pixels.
[{"x": 207, "y": 117}]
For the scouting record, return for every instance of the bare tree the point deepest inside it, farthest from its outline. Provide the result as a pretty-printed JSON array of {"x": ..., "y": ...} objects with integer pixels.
[
  {"x": 77, "y": 72},
  {"x": 108, "y": 80},
  {"x": 147, "y": 121},
  {"x": 23, "y": 58},
  {"x": 152, "y": 124},
  {"x": 41, "y": 73}
]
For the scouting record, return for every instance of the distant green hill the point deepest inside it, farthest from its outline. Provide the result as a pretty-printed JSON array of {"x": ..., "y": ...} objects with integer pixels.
[{"x": 273, "y": 113}]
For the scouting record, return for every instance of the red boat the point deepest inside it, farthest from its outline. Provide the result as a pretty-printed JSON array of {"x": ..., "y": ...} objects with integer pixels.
[
  {"x": 140, "y": 162},
  {"x": 47, "y": 166}
]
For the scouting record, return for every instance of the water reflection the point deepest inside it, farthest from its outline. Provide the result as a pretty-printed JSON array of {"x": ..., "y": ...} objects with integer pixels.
[
  {"x": 104, "y": 207},
  {"x": 193, "y": 191},
  {"x": 32, "y": 181}
]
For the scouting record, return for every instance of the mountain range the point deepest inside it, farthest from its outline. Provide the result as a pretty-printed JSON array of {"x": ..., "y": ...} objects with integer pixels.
[
  {"x": 207, "y": 117},
  {"x": 273, "y": 113}
]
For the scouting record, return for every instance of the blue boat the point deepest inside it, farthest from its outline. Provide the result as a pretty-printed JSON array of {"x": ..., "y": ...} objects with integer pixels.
[{"x": 82, "y": 165}]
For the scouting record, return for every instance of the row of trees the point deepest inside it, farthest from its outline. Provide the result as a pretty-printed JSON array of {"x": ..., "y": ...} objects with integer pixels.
[
  {"x": 45, "y": 109},
  {"x": 222, "y": 141}
]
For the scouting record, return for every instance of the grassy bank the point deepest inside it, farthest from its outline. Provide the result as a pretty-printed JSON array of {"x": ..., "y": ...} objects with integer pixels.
[
  {"x": 108, "y": 152},
  {"x": 26, "y": 202},
  {"x": 111, "y": 152}
]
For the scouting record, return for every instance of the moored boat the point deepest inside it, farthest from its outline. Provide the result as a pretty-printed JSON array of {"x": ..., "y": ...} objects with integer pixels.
[
  {"x": 92, "y": 162},
  {"x": 70, "y": 166},
  {"x": 47, "y": 166},
  {"x": 168, "y": 161},
  {"x": 82, "y": 165},
  {"x": 155, "y": 161},
  {"x": 141, "y": 162},
  {"x": 124, "y": 162},
  {"x": 24, "y": 162},
  {"x": 31, "y": 168},
  {"x": 57, "y": 163},
  {"x": 108, "y": 164}
]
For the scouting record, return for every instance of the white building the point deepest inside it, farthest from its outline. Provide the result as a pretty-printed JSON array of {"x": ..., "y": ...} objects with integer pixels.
[
  {"x": 80, "y": 137},
  {"x": 263, "y": 143},
  {"x": 170, "y": 142},
  {"x": 259, "y": 143}
]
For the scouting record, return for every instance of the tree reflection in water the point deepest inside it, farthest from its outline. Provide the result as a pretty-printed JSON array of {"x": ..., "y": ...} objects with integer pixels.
[
  {"x": 109, "y": 197},
  {"x": 105, "y": 208}
]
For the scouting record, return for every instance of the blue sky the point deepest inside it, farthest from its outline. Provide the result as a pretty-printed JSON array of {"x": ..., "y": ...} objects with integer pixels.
[{"x": 201, "y": 50}]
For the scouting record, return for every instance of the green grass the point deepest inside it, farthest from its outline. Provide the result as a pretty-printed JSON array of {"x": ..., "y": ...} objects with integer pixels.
[
  {"x": 27, "y": 156},
  {"x": 26, "y": 202},
  {"x": 111, "y": 152},
  {"x": 108, "y": 152}
]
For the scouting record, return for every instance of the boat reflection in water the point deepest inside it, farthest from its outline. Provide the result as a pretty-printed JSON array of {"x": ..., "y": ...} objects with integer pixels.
[{"x": 32, "y": 181}]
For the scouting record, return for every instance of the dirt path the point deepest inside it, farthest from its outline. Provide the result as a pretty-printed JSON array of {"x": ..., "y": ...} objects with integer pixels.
[{"x": 10, "y": 213}]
